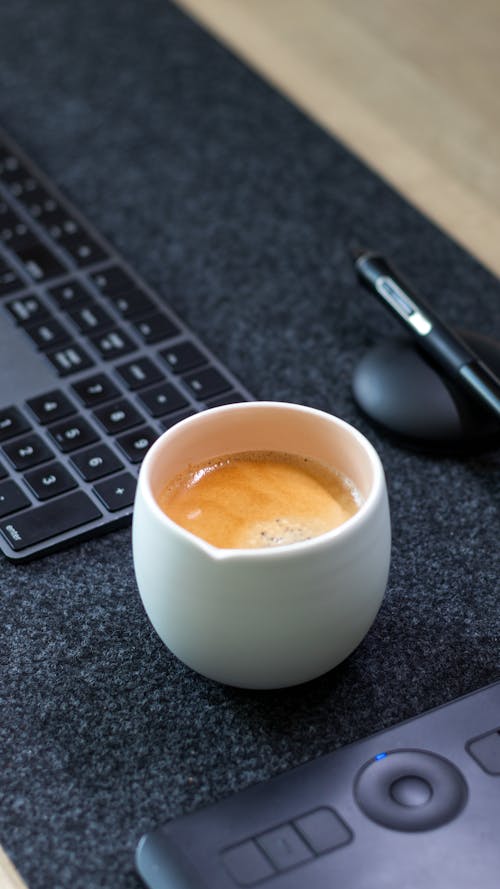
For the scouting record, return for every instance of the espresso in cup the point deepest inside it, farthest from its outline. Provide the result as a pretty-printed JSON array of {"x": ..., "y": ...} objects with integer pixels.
[{"x": 255, "y": 499}]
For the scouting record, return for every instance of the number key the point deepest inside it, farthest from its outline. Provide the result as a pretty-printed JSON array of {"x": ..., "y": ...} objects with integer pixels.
[
  {"x": 118, "y": 416},
  {"x": 95, "y": 462},
  {"x": 51, "y": 406},
  {"x": 135, "y": 444},
  {"x": 27, "y": 451},
  {"x": 72, "y": 434},
  {"x": 50, "y": 480}
]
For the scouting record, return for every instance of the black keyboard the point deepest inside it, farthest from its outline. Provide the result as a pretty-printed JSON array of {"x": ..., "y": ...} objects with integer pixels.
[{"x": 94, "y": 366}]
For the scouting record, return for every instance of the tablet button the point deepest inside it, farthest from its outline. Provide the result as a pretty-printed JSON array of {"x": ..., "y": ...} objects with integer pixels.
[{"x": 410, "y": 790}]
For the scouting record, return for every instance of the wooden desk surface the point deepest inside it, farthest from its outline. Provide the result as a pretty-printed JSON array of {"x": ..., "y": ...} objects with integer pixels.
[
  {"x": 411, "y": 86},
  {"x": 9, "y": 877}
]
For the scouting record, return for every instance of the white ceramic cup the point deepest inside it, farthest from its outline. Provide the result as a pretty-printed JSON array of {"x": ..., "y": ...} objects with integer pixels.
[{"x": 267, "y": 617}]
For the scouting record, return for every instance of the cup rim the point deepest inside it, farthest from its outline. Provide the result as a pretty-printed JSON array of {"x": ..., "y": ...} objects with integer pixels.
[{"x": 297, "y": 547}]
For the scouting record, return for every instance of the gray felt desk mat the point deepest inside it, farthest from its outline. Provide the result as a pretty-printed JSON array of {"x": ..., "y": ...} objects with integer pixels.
[{"x": 238, "y": 210}]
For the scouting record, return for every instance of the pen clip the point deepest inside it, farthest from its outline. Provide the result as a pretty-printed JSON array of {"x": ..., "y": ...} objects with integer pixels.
[{"x": 402, "y": 304}]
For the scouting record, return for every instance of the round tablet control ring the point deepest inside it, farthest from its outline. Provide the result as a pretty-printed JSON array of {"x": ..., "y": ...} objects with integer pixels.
[{"x": 410, "y": 790}]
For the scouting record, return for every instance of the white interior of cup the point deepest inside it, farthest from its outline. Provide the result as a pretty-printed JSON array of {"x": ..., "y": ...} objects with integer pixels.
[{"x": 263, "y": 426}]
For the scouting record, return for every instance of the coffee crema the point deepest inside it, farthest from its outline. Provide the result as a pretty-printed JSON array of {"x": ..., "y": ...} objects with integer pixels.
[{"x": 259, "y": 499}]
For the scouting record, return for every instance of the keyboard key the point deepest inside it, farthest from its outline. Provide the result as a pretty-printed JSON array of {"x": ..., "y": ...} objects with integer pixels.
[
  {"x": 33, "y": 199},
  {"x": 48, "y": 334},
  {"x": 118, "y": 417},
  {"x": 83, "y": 249},
  {"x": 69, "y": 359},
  {"x": 95, "y": 389},
  {"x": 47, "y": 210},
  {"x": 90, "y": 317},
  {"x": 10, "y": 166},
  {"x": 66, "y": 296},
  {"x": 207, "y": 382},
  {"x": 50, "y": 480},
  {"x": 227, "y": 398},
  {"x": 53, "y": 405},
  {"x": 113, "y": 344},
  {"x": 183, "y": 356},
  {"x": 139, "y": 373},
  {"x": 63, "y": 225},
  {"x": 118, "y": 492},
  {"x": 6, "y": 211},
  {"x": 22, "y": 183},
  {"x": 155, "y": 327},
  {"x": 12, "y": 498},
  {"x": 72, "y": 434},
  {"x": 42, "y": 206},
  {"x": 96, "y": 462},
  {"x": 27, "y": 309},
  {"x": 25, "y": 188},
  {"x": 134, "y": 304},
  {"x": 164, "y": 399},
  {"x": 12, "y": 422},
  {"x": 3, "y": 471},
  {"x": 170, "y": 420},
  {"x": 135, "y": 444},
  {"x": 8, "y": 221},
  {"x": 113, "y": 280},
  {"x": 27, "y": 452},
  {"x": 49, "y": 520},
  {"x": 13, "y": 176},
  {"x": 9, "y": 280},
  {"x": 40, "y": 263},
  {"x": 20, "y": 238},
  {"x": 15, "y": 234}
]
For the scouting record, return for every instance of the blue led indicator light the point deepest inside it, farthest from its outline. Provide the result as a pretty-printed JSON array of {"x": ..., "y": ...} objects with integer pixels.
[{"x": 381, "y": 755}]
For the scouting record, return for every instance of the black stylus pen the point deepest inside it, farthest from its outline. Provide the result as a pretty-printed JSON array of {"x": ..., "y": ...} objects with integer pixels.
[{"x": 446, "y": 348}]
